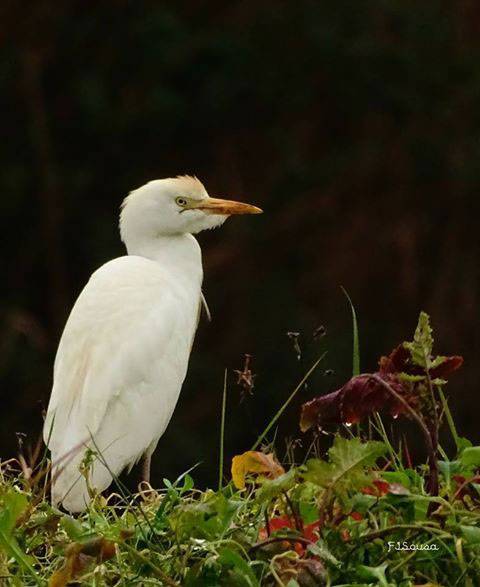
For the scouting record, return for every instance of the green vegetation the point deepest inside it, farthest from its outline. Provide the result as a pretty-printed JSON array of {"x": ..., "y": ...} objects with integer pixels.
[{"x": 358, "y": 514}]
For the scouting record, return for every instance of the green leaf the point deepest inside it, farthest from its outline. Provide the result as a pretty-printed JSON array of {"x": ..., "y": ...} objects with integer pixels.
[
  {"x": 416, "y": 480},
  {"x": 462, "y": 443},
  {"x": 319, "y": 549},
  {"x": 410, "y": 378},
  {"x": 168, "y": 484},
  {"x": 188, "y": 484},
  {"x": 470, "y": 456},
  {"x": 273, "y": 487},
  {"x": 377, "y": 573},
  {"x": 361, "y": 502},
  {"x": 208, "y": 519},
  {"x": 439, "y": 382},
  {"x": 204, "y": 573},
  {"x": 240, "y": 572},
  {"x": 422, "y": 345},
  {"x": 13, "y": 505},
  {"x": 345, "y": 470},
  {"x": 72, "y": 527},
  {"x": 308, "y": 512},
  {"x": 397, "y": 477},
  {"x": 421, "y": 509},
  {"x": 471, "y": 534},
  {"x": 448, "y": 469}
]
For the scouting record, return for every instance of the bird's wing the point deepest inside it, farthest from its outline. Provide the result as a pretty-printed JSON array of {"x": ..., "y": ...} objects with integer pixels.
[{"x": 121, "y": 361}]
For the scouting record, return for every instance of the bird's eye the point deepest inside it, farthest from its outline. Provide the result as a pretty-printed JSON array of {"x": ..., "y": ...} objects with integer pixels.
[{"x": 181, "y": 202}]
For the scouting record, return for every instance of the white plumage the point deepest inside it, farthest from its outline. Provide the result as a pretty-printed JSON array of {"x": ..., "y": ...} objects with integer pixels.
[{"x": 124, "y": 353}]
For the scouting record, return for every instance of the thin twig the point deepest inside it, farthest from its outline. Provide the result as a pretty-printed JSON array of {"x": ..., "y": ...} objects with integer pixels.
[
  {"x": 275, "y": 539},
  {"x": 457, "y": 493},
  {"x": 396, "y": 527},
  {"x": 296, "y": 517},
  {"x": 267, "y": 522}
]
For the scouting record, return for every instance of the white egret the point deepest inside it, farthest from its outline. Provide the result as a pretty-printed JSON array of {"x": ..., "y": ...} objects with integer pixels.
[{"x": 124, "y": 352}]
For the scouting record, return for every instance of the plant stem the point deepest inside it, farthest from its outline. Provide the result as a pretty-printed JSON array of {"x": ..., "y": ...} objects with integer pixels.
[
  {"x": 267, "y": 522},
  {"x": 222, "y": 432},
  {"x": 433, "y": 428},
  {"x": 448, "y": 415},
  {"x": 296, "y": 517},
  {"x": 432, "y": 455},
  {"x": 383, "y": 433},
  {"x": 458, "y": 492},
  {"x": 397, "y": 527},
  {"x": 326, "y": 498}
]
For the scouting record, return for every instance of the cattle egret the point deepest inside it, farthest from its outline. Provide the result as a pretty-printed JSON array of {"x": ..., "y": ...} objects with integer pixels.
[{"x": 124, "y": 351}]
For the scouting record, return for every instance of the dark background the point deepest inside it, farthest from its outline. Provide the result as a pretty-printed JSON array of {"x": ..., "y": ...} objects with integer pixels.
[{"x": 354, "y": 124}]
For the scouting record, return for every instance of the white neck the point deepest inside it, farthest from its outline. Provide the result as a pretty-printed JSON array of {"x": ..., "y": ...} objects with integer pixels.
[{"x": 179, "y": 254}]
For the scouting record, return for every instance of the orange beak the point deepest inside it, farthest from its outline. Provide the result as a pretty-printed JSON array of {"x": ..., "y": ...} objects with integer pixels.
[{"x": 226, "y": 207}]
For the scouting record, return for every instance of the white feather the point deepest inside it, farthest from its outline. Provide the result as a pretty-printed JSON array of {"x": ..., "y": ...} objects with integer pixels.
[{"x": 120, "y": 366}]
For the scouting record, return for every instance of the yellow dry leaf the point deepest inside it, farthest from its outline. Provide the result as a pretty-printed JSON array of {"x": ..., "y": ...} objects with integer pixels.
[
  {"x": 75, "y": 564},
  {"x": 79, "y": 556},
  {"x": 254, "y": 462}
]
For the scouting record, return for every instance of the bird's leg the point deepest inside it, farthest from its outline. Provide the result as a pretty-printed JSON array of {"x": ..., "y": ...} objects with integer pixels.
[{"x": 146, "y": 461}]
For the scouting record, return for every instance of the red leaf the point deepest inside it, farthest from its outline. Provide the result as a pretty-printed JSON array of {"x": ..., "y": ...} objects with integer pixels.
[
  {"x": 275, "y": 524},
  {"x": 311, "y": 531},
  {"x": 329, "y": 406},
  {"x": 382, "y": 486},
  {"x": 281, "y": 522},
  {"x": 396, "y": 362},
  {"x": 357, "y": 516},
  {"x": 448, "y": 366},
  {"x": 358, "y": 398}
]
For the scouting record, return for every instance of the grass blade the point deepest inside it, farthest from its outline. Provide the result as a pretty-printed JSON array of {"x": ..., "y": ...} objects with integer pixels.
[
  {"x": 449, "y": 417},
  {"x": 356, "y": 341},
  {"x": 11, "y": 547},
  {"x": 222, "y": 432}
]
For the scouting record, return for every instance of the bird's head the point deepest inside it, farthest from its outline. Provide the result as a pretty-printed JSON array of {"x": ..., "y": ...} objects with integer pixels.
[{"x": 177, "y": 205}]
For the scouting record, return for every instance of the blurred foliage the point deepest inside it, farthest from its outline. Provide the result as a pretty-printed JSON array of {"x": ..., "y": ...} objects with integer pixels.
[
  {"x": 355, "y": 125},
  {"x": 340, "y": 520}
]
